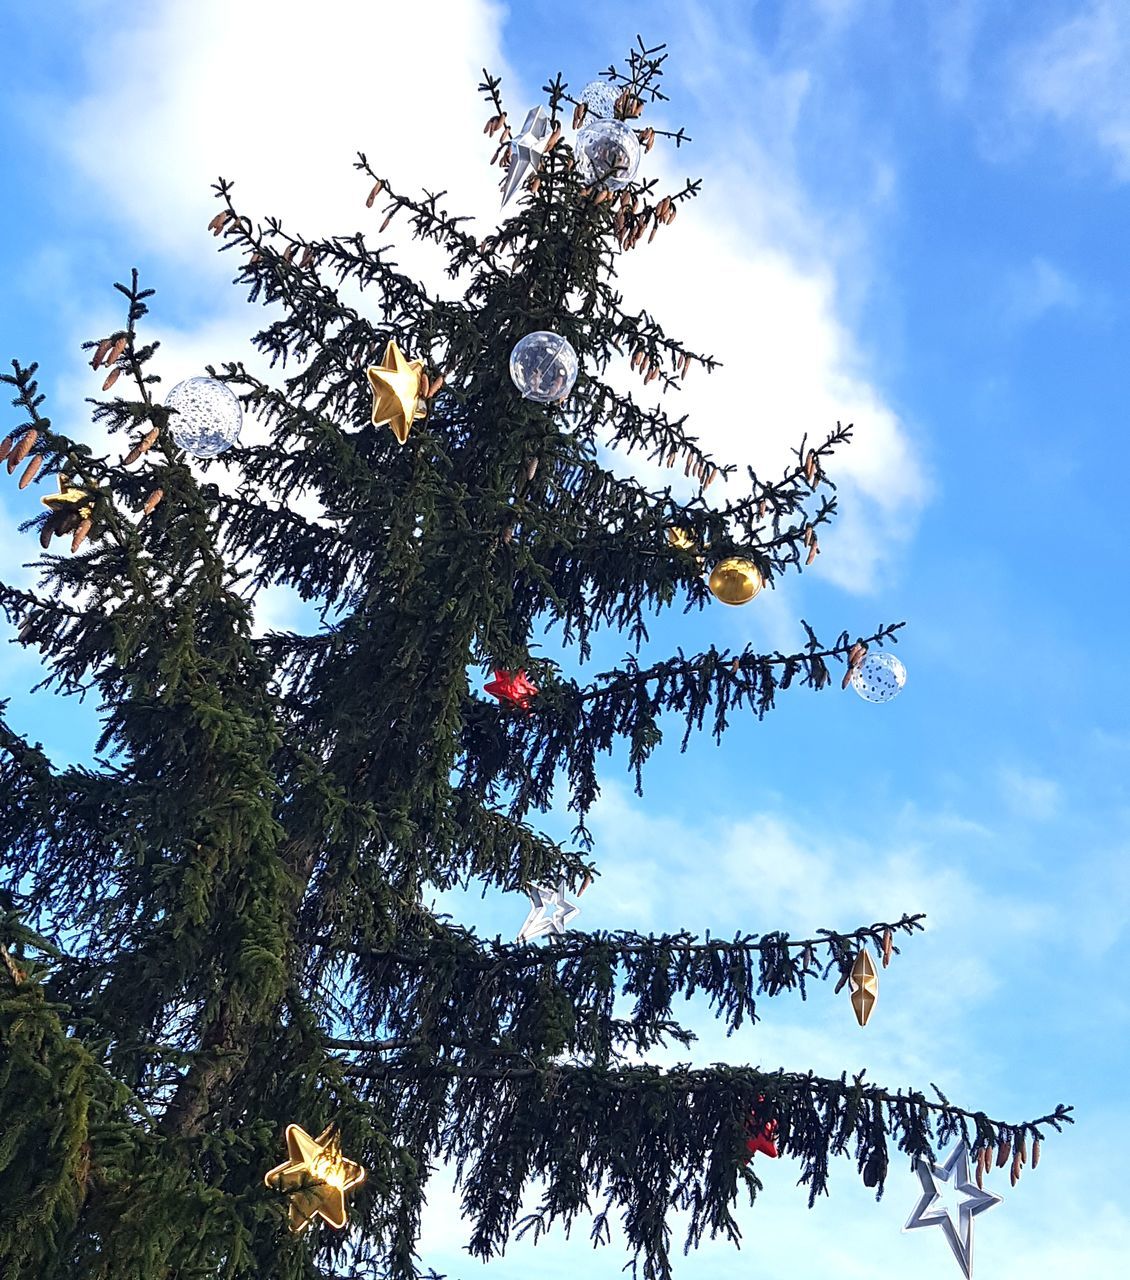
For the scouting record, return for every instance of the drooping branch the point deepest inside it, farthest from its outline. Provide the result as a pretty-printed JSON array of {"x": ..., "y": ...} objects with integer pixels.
[{"x": 649, "y": 1138}]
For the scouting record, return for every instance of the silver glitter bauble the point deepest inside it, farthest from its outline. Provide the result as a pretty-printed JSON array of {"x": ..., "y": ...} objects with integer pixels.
[
  {"x": 543, "y": 366},
  {"x": 879, "y": 677},
  {"x": 607, "y": 154},
  {"x": 600, "y": 98},
  {"x": 208, "y": 416}
]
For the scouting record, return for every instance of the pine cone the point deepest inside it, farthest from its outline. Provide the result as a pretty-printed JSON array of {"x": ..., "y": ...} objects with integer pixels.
[
  {"x": 81, "y": 534},
  {"x": 20, "y": 452},
  {"x": 31, "y": 470}
]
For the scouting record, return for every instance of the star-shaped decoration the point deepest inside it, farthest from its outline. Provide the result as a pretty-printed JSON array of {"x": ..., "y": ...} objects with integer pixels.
[
  {"x": 551, "y": 912},
  {"x": 526, "y": 152},
  {"x": 70, "y": 498},
  {"x": 315, "y": 1177},
  {"x": 397, "y": 392},
  {"x": 763, "y": 1133},
  {"x": 512, "y": 686},
  {"x": 927, "y": 1212},
  {"x": 765, "y": 1142},
  {"x": 864, "y": 986}
]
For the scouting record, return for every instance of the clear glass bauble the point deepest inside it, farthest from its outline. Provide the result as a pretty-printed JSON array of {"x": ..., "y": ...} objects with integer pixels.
[
  {"x": 543, "y": 366},
  {"x": 208, "y": 416},
  {"x": 607, "y": 154},
  {"x": 879, "y": 677},
  {"x": 600, "y": 98}
]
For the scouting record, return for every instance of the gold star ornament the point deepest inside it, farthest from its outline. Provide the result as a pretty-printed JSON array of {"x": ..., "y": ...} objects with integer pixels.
[
  {"x": 399, "y": 387},
  {"x": 72, "y": 511},
  {"x": 69, "y": 498},
  {"x": 864, "y": 986},
  {"x": 315, "y": 1177},
  {"x": 681, "y": 539}
]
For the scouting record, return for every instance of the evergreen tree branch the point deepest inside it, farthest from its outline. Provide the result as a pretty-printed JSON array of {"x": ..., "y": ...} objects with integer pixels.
[
  {"x": 653, "y": 1138},
  {"x": 454, "y": 990}
]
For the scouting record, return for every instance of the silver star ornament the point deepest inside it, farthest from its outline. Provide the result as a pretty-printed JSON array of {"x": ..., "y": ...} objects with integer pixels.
[
  {"x": 551, "y": 912},
  {"x": 526, "y": 151},
  {"x": 928, "y": 1213}
]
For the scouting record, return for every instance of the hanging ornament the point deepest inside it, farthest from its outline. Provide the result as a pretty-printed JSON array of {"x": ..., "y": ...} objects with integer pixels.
[
  {"x": 72, "y": 511},
  {"x": 864, "y": 984},
  {"x": 763, "y": 1141},
  {"x": 515, "y": 687},
  {"x": 206, "y": 416},
  {"x": 526, "y": 152},
  {"x": 398, "y": 393},
  {"x": 879, "y": 677},
  {"x": 928, "y": 1213},
  {"x": 70, "y": 498},
  {"x": 735, "y": 580},
  {"x": 315, "y": 1177},
  {"x": 600, "y": 98},
  {"x": 607, "y": 154},
  {"x": 543, "y": 366},
  {"x": 681, "y": 539},
  {"x": 684, "y": 540},
  {"x": 551, "y": 912}
]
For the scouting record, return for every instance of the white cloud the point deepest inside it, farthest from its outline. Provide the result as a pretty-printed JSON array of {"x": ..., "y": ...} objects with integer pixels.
[
  {"x": 666, "y": 872},
  {"x": 789, "y": 367},
  {"x": 1038, "y": 288},
  {"x": 257, "y": 93},
  {"x": 263, "y": 93},
  {"x": 1076, "y": 75},
  {"x": 954, "y": 28},
  {"x": 1030, "y": 795},
  {"x": 936, "y": 1021}
]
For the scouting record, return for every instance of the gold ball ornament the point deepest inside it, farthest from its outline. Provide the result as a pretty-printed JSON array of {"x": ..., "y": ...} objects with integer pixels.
[{"x": 735, "y": 580}]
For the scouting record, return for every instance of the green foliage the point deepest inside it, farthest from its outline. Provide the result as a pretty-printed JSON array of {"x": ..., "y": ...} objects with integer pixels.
[{"x": 226, "y": 906}]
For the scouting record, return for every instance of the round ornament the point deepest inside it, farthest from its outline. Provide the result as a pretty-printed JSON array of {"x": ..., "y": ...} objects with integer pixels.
[
  {"x": 543, "y": 366},
  {"x": 879, "y": 677},
  {"x": 208, "y": 416},
  {"x": 607, "y": 153},
  {"x": 735, "y": 580},
  {"x": 600, "y": 98}
]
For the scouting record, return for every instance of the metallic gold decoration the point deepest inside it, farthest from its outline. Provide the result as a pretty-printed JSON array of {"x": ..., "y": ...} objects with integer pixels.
[
  {"x": 864, "y": 986},
  {"x": 398, "y": 392},
  {"x": 684, "y": 540},
  {"x": 315, "y": 1177},
  {"x": 681, "y": 539},
  {"x": 928, "y": 1212},
  {"x": 70, "y": 498},
  {"x": 735, "y": 580}
]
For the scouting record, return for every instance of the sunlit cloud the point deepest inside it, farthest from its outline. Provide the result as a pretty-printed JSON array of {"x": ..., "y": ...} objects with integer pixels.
[{"x": 1075, "y": 75}]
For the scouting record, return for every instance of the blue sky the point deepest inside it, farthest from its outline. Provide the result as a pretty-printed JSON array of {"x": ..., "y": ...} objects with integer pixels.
[{"x": 914, "y": 218}]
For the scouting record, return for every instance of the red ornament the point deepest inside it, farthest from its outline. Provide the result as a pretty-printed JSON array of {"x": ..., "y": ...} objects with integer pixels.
[
  {"x": 764, "y": 1141},
  {"x": 510, "y": 686}
]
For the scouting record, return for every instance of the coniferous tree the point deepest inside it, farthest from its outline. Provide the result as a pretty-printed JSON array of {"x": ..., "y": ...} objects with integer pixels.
[{"x": 218, "y": 926}]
